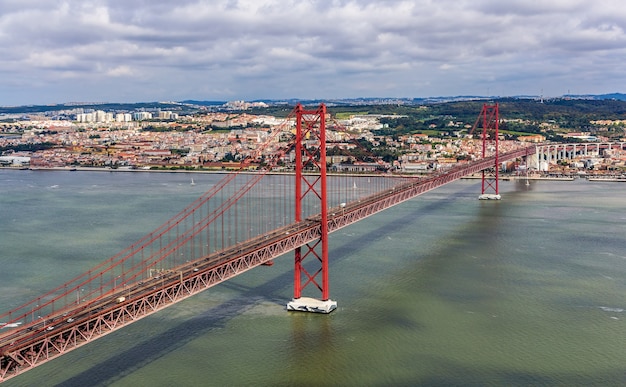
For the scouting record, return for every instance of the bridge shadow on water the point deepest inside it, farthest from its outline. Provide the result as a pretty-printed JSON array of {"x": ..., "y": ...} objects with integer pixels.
[{"x": 127, "y": 361}]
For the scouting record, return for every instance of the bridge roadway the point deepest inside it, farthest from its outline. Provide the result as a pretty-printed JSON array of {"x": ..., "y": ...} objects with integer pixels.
[{"x": 35, "y": 343}]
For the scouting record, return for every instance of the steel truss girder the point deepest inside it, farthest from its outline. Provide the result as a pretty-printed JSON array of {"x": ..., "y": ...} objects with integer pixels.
[
  {"x": 379, "y": 202},
  {"x": 19, "y": 358}
]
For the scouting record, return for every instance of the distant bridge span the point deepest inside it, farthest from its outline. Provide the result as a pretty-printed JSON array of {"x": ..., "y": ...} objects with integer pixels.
[{"x": 552, "y": 153}]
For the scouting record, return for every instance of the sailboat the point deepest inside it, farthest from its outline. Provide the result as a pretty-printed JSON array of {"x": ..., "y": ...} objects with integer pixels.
[{"x": 192, "y": 182}]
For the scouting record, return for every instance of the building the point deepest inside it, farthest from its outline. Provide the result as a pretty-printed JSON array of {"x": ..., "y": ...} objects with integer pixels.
[
  {"x": 123, "y": 117},
  {"x": 141, "y": 116},
  {"x": 534, "y": 138}
]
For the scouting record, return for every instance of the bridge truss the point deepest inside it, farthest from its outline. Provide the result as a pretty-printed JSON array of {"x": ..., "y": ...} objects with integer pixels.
[{"x": 230, "y": 229}]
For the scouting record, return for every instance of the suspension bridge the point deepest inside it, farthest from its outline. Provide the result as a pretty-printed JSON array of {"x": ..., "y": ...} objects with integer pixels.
[{"x": 246, "y": 220}]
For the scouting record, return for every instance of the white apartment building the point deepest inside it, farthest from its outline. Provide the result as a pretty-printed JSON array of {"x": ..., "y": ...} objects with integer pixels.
[
  {"x": 97, "y": 116},
  {"x": 140, "y": 116},
  {"x": 123, "y": 117}
]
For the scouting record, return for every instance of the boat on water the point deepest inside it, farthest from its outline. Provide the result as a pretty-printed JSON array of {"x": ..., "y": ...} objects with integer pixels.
[{"x": 192, "y": 182}]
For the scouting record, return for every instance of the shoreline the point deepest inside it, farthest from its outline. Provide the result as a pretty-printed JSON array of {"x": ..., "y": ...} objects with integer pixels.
[
  {"x": 105, "y": 169},
  {"x": 202, "y": 171},
  {"x": 596, "y": 178},
  {"x": 607, "y": 179},
  {"x": 509, "y": 178}
]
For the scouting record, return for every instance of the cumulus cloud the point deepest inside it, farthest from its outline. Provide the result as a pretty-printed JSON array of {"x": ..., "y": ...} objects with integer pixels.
[{"x": 247, "y": 49}]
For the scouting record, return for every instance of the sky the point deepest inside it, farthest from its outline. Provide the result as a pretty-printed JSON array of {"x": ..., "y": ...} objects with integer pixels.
[{"x": 56, "y": 51}]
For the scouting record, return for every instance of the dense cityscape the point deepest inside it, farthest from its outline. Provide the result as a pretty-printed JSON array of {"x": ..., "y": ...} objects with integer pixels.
[{"x": 221, "y": 137}]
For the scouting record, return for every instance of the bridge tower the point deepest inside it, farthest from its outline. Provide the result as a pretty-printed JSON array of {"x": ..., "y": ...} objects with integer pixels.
[
  {"x": 311, "y": 125},
  {"x": 490, "y": 123}
]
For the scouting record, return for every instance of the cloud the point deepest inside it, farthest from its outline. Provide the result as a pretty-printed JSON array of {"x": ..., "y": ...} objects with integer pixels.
[
  {"x": 120, "y": 71},
  {"x": 248, "y": 49}
]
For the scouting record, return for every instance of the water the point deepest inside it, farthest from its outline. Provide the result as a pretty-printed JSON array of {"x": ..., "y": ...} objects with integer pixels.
[{"x": 441, "y": 290}]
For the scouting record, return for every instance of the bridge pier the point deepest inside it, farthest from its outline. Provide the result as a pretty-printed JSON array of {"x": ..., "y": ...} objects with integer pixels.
[
  {"x": 311, "y": 125},
  {"x": 308, "y": 304},
  {"x": 533, "y": 160}
]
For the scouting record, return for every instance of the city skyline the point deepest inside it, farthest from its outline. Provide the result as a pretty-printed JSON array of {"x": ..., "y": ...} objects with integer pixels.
[{"x": 104, "y": 50}]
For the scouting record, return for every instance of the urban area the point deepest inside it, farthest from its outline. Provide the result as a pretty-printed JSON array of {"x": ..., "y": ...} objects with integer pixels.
[{"x": 223, "y": 138}]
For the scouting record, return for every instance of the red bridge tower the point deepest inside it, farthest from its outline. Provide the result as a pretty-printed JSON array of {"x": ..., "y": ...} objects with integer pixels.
[
  {"x": 310, "y": 187},
  {"x": 490, "y": 123}
]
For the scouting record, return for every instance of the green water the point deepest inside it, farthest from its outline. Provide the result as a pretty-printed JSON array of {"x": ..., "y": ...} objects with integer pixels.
[{"x": 441, "y": 290}]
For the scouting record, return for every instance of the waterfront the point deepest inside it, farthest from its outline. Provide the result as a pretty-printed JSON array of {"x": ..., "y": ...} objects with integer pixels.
[{"x": 441, "y": 290}]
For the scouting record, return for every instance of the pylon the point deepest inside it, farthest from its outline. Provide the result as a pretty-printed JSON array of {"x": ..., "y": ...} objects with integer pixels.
[
  {"x": 490, "y": 123},
  {"x": 311, "y": 125}
]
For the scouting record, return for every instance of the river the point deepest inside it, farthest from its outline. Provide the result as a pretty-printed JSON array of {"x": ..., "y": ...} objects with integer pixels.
[{"x": 441, "y": 290}]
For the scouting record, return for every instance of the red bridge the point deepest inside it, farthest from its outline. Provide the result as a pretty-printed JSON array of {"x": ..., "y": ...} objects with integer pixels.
[{"x": 244, "y": 221}]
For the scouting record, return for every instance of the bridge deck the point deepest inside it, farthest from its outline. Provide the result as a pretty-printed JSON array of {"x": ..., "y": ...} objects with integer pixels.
[{"x": 28, "y": 346}]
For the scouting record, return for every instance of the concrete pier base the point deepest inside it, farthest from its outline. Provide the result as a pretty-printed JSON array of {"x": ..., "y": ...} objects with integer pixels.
[
  {"x": 489, "y": 197},
  {"x": 306, "y": 304}
]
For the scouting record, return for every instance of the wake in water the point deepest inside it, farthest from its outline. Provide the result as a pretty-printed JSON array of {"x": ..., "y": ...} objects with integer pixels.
[{"x": 609, "y": 309}]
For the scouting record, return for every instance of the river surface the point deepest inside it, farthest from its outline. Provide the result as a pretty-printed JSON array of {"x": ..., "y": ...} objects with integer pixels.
[{"x": 441, "y": 290}]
